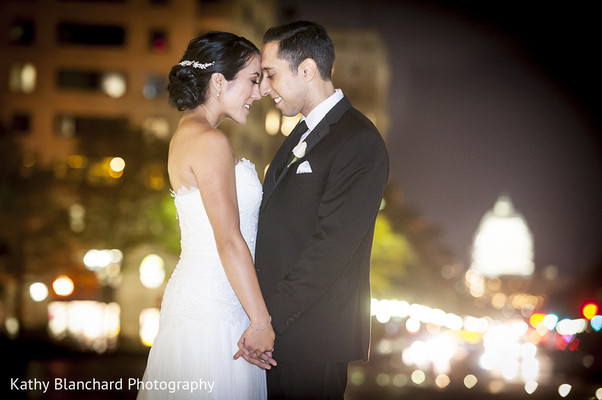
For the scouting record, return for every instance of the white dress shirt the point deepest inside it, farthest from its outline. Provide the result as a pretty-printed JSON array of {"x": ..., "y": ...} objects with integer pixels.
[{"x": 319, "y": 112}]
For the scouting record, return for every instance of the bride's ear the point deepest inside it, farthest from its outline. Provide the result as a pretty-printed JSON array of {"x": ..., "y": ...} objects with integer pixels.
[{"x": 217, "y": 82}]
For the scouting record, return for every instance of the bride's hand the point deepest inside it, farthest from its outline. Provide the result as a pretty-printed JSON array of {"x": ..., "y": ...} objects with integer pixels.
[
  {"x": 256, "y": 346},
  {"x": 258, "y": 338}
]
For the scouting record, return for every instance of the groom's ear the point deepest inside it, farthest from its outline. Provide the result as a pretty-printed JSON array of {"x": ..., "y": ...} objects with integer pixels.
[{"x": 308, "y": 69}]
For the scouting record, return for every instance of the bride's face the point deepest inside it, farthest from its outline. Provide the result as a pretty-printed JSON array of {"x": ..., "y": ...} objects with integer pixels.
[{"x": 240, "y": 93}]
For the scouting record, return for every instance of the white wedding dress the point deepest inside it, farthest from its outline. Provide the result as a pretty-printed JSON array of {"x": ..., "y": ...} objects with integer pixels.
[{"x": 201, "y": 317}]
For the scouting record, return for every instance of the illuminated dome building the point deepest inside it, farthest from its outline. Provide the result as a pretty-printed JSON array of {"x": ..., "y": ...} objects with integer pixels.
[
  {"x": 503, "y": 244},
  {"x": 502, "y": 261}
]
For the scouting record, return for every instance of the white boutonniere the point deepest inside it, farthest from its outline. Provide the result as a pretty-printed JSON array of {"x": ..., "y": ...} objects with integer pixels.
[{"x": 298, "y": 152}]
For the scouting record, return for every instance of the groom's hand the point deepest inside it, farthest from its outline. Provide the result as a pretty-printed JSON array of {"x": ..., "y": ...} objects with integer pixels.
[
  {"x": 264, "y": 361},
  {"x": 267, "y": 358}
]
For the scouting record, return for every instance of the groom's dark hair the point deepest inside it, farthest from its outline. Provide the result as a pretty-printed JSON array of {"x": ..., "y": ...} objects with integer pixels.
[{"x": 300, "y": 40}]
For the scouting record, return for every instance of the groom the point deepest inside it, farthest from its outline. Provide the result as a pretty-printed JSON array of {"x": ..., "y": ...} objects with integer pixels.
[{"x": 321, "y": 195}]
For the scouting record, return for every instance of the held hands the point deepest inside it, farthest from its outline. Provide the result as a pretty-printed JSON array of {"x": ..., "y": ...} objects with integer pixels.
[
  {"x": 264, "y": 362},
  {"x": 256, "y": 346}
]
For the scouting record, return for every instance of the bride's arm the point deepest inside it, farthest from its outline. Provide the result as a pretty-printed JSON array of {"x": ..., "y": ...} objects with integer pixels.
[{"x": 213, "y": 165}]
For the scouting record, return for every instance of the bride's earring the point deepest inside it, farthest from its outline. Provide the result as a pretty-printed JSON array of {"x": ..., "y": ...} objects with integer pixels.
[{"x": 218, "y": 91}]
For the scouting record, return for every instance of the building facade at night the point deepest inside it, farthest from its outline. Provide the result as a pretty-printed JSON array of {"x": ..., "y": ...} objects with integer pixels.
[
  {"x": 362, "y": 70},
  {"x": 73, "y": 68}
]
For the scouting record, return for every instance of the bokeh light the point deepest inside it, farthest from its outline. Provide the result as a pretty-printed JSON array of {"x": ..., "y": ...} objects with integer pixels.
[
  {"x": 357, "y": 378},
  {"x": 149, "y": 325},
  {"x": 418, "y": 377},
  {"x": 12, "y": 327},
  {"x": 93, "y": 325},
  {"x": 470, "y": 381},
  {"x": 114, "y": 84},
  {"x": 400, "y": 380},
  {"x": 383, "y": 379},
  {"x": 152, "y": 271},
  {"x": 288, "y": 124},
  {"x": 564, "y": 389},
  {"x": 96, "y": 259},
  {"x": 272, "y": 122},
  {"x": 38, "y": 291},
  {"x": 531, "y": 387},
  {"x": 596, "y": 322},
  {"x": 412, "y": 325},
  {"x": 442, "y": 380},
  {"x": 117, "y": 164},
  {"x": 590, "y": 310},
  {"x": 63, "y": 285},
  {"x": 550, "y": 321},
  {"x": 536, "y": 319}
]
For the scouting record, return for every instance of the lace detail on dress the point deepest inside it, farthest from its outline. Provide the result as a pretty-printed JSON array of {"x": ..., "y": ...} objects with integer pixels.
[
  {"x": 183, "y": 190},
  {"x": 199, "y": 283}
]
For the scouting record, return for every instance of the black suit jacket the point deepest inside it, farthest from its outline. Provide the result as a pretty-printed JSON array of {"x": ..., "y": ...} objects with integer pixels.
[{"x": 315, "y": 237}]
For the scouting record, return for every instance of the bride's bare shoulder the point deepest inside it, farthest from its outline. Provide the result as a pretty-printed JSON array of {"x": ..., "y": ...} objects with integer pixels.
[
  {"x": 195, "y": 151},
  {"x": 196, "y": 144},
  {"x": 193, "y": 135}
]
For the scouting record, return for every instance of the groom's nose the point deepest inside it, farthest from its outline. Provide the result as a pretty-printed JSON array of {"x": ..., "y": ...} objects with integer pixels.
[{"x": 264, "y": 87}]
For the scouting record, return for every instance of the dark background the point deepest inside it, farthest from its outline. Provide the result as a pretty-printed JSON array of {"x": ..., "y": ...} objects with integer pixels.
[{"x": 490, "y": 98}]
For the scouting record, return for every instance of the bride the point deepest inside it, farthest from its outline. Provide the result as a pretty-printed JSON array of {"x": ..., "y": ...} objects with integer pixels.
[{"x": 212, "y": 306}]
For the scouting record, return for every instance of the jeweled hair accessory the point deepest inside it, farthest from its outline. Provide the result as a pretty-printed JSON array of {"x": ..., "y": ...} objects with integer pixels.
[{"x": 196, "y": 64}]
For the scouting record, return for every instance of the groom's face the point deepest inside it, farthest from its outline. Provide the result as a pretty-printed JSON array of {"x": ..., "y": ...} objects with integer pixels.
[{"x": 280, "y": 82}]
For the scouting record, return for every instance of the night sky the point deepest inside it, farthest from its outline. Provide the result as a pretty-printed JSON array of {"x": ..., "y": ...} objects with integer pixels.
[{"x": 492, "y": 99}]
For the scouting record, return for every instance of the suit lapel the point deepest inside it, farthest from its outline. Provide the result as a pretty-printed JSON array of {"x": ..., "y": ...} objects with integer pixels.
[
  {"x": 277, "y": 163},
  {"x": 317, "y": 134}
]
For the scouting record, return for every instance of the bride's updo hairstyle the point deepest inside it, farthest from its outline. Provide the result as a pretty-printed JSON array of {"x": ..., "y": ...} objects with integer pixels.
[{"x": 212, "y": 52}]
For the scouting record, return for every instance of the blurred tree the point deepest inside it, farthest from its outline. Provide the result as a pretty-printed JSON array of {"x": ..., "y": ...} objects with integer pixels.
[
  {"x": 135, "y": 208},
  {"x": 38, "y": 205},
  {"x": 392, "y": 257},
  {"x": 421, "y": 254}
]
